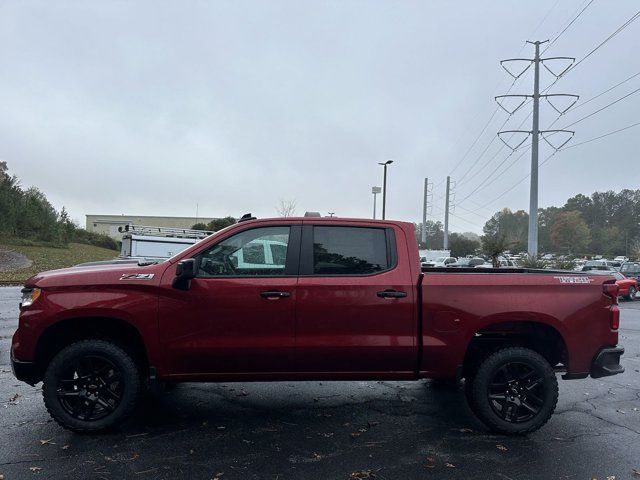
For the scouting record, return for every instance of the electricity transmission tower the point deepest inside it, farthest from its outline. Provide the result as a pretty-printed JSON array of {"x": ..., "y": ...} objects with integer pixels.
[
  {"x": 535, "y": 131},
  {"x": 428, "y": 194}
]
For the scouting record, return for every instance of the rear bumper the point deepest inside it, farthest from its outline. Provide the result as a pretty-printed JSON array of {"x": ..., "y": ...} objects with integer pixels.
[
  {"x": 607, "y": 362},
  {"x": 25, "y": 371}
]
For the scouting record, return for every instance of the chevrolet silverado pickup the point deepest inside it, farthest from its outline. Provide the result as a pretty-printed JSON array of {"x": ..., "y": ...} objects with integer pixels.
[{"x": 334, "y": 299}]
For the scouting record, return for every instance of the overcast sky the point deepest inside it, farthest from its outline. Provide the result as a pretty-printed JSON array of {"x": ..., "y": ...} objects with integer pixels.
[{"x": 150, "y": 108}]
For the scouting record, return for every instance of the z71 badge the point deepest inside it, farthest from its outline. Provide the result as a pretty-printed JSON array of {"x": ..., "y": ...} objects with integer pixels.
[{"x": 136, "y": 276}]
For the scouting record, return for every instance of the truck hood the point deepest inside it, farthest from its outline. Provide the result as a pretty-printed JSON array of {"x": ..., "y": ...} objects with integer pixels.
[{"x": 103, "y": 274}]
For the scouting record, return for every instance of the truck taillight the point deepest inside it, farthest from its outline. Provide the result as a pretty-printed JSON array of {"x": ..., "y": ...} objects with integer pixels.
[
  {"x": 615, "y": 317},
  {"x": 611, "y": 291}
]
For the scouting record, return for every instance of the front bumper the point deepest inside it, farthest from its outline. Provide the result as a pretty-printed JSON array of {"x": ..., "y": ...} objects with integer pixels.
[
  {"x": 607, "y": 362},
  {"x": 27, "y": 372}
]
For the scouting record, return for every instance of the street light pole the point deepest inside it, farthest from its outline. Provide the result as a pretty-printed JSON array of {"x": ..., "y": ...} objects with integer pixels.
[{"x": 384, "y": 187}]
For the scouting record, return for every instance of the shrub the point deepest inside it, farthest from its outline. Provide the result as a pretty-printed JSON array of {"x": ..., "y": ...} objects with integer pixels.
[{"x": 532, "y": 262}]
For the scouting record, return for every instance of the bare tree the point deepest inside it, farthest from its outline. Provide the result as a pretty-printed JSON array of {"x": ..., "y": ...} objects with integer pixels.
[{"x": 287, "y": 208}]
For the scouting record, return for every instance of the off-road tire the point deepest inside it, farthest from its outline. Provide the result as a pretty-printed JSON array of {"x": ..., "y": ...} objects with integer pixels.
[
  {"x": 128, "y": 372},
  {"x": 478, "y": 390}
]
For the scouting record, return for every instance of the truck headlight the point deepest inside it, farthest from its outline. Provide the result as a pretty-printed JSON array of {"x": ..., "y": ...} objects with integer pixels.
[{"x": 29, "y": 296}]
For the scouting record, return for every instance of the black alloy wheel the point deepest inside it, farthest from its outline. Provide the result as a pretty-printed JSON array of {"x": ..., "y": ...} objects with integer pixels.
[
  {"x": 90, "y": 388},
  {"x": 516, "y": 392},
  {"x": 513, "y": 391},
  {"x": 91, "y": 385}
]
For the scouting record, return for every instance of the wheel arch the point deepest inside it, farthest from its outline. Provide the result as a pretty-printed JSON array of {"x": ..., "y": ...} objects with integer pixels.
[
  {"x": 70, "y": 330},
  {"x": 538, "y": 335}
]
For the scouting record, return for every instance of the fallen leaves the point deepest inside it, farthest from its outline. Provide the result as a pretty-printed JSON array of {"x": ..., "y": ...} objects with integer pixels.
[
  {"x": 362, "y": 430},
  {"x": 13, "y": 400},
  {"x": 35, "y": 469},
  {"x": 217, "y": 476},
  {"x": 636, "y": 472},
  {"x": 359, "y": 475},
  {"x": 449, "y": 465},
  {"x": 502, "y": 448},
  {"x": 47, "y": 442}
]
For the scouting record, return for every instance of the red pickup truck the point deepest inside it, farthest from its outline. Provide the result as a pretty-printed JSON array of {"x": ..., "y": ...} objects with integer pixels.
[{"x": 312, "y": 298}]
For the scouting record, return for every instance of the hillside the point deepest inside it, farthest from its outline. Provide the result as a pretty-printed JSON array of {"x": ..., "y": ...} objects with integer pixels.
[{"x": 50, "y": 258}]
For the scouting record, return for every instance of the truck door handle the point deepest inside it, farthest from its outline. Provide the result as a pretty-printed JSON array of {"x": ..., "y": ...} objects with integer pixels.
[
  {"x": 392, "y": 294},
  {"x": 275, "y": 294}
]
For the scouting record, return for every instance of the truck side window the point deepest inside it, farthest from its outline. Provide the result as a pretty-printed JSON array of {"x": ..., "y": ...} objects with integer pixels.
[
  {"x": 255, "y": 252},
  {"x": 349, "y": 250}
]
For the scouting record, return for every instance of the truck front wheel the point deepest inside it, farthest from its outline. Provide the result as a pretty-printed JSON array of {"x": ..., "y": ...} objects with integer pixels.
[
  {"x": 514, "y": 391},
  {"x": 91, "y": 385}
]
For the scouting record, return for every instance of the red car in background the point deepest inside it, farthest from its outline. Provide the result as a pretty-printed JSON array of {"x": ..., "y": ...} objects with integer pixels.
[{"x": 628, "y": 287}]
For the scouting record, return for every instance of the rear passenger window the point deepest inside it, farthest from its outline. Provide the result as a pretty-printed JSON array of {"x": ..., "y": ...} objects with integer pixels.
[{"x": 349, "y": 250}]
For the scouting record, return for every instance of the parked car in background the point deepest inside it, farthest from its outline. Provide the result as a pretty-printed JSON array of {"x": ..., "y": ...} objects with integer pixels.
[
  {"x": 631, "y": 270},
  {"x": 613, "y": 265},
  {"x": 621, "y": 259},
  {"x": 627, "y": 287},
  {"x": 595, "y": 265},
  {"x": 467, "y": 262},
  {"x": 440, "y": 262},
  {"x": 429, "y": 257},
  {"x": 504, "y": 263}
]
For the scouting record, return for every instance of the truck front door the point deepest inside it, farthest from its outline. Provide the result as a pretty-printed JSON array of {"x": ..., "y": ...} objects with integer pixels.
[
  {"x": 356, "y": 306},
  {"x": 238, "y": 314}
]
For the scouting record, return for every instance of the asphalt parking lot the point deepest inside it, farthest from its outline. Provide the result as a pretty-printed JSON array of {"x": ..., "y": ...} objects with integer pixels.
[{"x": 326, "y": 430}]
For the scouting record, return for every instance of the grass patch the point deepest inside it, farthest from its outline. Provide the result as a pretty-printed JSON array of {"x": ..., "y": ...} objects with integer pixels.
[{"x": 51, "y": 258}]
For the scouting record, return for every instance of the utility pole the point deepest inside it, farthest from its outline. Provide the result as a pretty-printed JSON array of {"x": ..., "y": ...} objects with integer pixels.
[
  {"x": 446, "y": 215},
  {"x": 425, "y": 208},
  {"x": 535, "y": 128}
]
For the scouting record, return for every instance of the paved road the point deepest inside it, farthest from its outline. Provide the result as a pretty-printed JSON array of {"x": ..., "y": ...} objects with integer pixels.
[{"x": 327, "y": 430}]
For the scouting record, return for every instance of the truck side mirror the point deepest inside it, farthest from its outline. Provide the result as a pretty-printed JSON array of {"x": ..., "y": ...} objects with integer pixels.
[{"x": 185, "y": 271}]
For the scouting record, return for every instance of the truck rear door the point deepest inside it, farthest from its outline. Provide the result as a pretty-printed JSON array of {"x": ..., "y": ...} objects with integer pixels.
[{"x": 356, "y": 300}]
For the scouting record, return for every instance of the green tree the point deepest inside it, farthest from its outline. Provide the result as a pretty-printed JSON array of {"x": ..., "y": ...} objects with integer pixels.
[
  {"x": 494, "y": 246},
  {"x": 200, "y": 226},
  {"x": 220, "y": 223},
  {"x": 513, "y": 226},
  {"x": 435, "y": 235},
  {"x": 569, "y": 232},
  {"x": 462, "y": 246}
]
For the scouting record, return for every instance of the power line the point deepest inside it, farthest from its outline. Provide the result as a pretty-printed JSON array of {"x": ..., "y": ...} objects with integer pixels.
[
  {"x": 602, "y": 136},
  {"x": 622, "y": 27},
  {"x": 486, "y": 164},
  {"x": 535, "y": 30},
  {"x": 603, "y": 108},
  {"x": 582, "y": 104},
  {"x": 633, "y": 18},
  {"x": 486, "y": 125},
  {"x": 551, "y": 156},
  {"x": 557, "y": 36},
  {"x": 493, "y": 138}
]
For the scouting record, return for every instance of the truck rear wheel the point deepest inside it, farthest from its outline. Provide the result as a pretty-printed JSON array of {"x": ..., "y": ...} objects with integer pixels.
[
  {"x": 91, "y": 386},
  {"x": 514, "y": 391}
]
